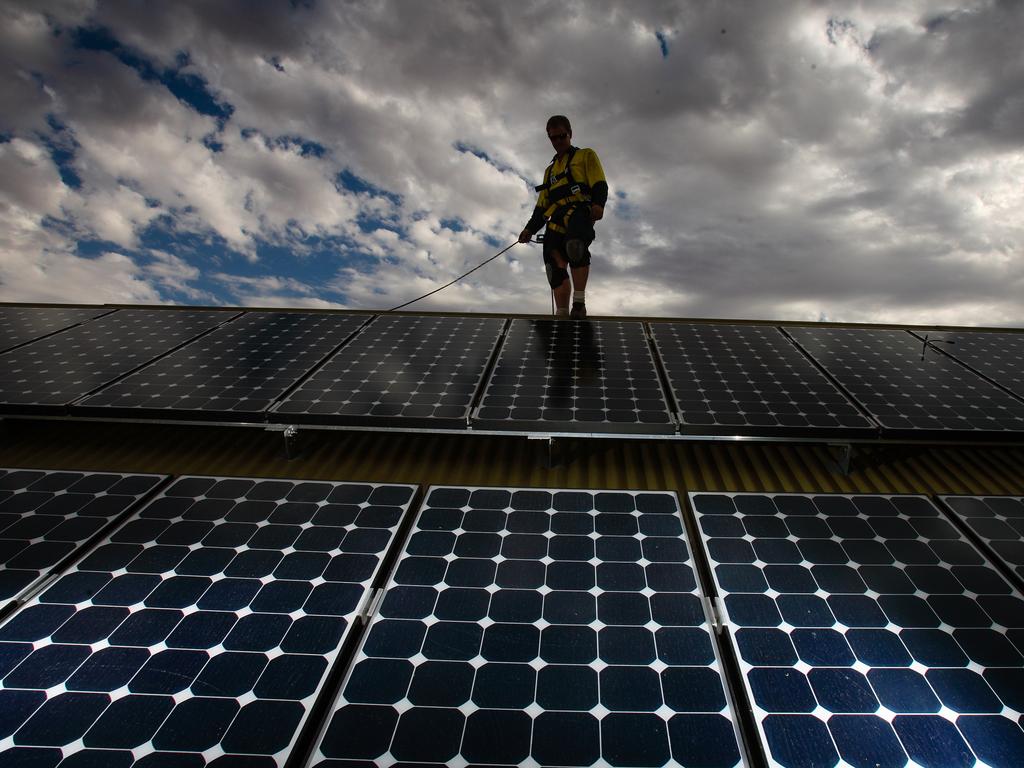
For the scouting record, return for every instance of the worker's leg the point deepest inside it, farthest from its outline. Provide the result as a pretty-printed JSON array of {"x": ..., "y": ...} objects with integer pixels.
[
  {"x": 564, "y": 291},
  {"x": 579, "y": 277}
]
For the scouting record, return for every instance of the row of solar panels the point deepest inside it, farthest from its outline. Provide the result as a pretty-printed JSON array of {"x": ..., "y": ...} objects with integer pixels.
[
  {"x": 420, "y": 372},
  {"x": 507, "y": 626}
]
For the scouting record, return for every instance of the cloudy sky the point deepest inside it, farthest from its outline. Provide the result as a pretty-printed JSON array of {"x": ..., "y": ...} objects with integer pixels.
[{"x": 850, "y": 161}]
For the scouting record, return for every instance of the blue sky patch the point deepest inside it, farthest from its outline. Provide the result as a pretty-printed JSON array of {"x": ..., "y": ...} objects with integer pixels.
[
  {"x": 187, "y": 87},
  {"x": 663, "y": 42},
  {"x": 349, "y": 181}
]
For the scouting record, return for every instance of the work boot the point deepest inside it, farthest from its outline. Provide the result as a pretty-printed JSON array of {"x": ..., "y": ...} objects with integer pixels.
[{"x": 578, "y": 311}]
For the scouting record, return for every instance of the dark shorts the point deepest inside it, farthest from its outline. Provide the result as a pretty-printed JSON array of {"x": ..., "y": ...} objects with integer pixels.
[{"x": 580, "y": 227}]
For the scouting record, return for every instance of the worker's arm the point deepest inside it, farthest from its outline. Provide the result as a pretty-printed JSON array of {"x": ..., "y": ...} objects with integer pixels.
[
  {"x": 598, "y": 185},
  {"x": 537, "y": 220}
]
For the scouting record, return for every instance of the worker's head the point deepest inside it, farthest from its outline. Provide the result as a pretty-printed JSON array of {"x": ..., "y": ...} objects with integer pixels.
[{"x": 560, "y": 132}]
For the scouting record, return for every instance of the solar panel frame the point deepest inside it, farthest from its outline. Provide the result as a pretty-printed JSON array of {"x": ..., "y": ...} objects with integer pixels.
[
  {"x": 425, "y": 389},
  {"x": 881, "y": 682},
  {"x": 933, "y": 398},
  {"x": 197, "y": 633},
  {"x": 49, "y": 517},
  {"x": 234, "y": 373},
  {"x": 997, "y": 521},
  {"x": 20, "y": 325},
  {"x": 488, "y": 592},
  {"x": 996, "y": 356},
  {"x": 528, "y": 392},
  {"x": 46, "y": 376},
  {"x": 731, "y": 379}
]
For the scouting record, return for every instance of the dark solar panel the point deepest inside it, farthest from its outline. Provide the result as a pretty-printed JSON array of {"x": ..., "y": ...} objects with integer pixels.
[
  {"x": 399, "y": 371},
  {"x": 21, "y": 324},
  {"x": 1000, "y": 356},
  {"x": 998, "y": 521},
  {"x": 869, "y": 632},
  {"x": 50, "y": 373},
  {"x": 565, "y": 376},
  {"x": 537, "y": 627},
  {"x": 884, "y": 372},
  {"x": 238, "y": 370},
  {"x": 750, "y": 379},
  {"x": 45, "y": 516},
  {"x": 201, "y": 632}
]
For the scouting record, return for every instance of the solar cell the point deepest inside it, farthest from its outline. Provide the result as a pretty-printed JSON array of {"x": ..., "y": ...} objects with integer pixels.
[
  {"x": 750, "y": 379},
  {"x": 1000, "y": 356},
  {"x": 198, "y": 633},
  {"x": 50, "y": 373},
  {"x": 884, "y": 372},
  {"x": 868, "y": 630},
  {"x": 998, "y": 521},
  {"x": 21, "y": 324},
  {"x": 399, "y": 371},
  {"x": 46, "y": 516},
  {"x": 238, "y": 370},
  {"x": 597, "y": 376},
  {"x": 537, "y": 627}
]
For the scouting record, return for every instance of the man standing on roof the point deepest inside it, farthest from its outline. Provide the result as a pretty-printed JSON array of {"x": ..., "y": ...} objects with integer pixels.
[{"x": 571, "y": 199}]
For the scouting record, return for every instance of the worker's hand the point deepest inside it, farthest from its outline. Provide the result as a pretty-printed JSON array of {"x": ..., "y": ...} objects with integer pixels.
[
  {"x": 596, "y": 212},
  {"x": 525, "y": 236}
]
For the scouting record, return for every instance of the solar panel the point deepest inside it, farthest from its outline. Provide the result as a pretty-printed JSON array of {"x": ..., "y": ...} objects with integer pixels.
[
  {"x": 50, "y": 373},
  {"x": 884, "y": 372},
  {"x": 750, "y": 379},
  {"x": 399, "y": 371},
  {"x": 21, "y": 324},
  {"x": 236, "y": 371},
  {"x": 868, "y": 631},
  {"x": 537, "y": 627},
  {"x": 1000, "y": 356},
  {"x": 998, "y": 521},
  {"x": 199, "y": 633},
  {"x": 45, "y": 516},
  {"x": 563, "y": 376}
]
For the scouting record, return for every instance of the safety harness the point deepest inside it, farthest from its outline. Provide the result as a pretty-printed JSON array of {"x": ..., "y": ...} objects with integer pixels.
[{"x": 564, "y": 197}]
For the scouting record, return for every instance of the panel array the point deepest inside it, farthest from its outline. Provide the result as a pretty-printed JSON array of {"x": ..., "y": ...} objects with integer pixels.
[
  {"x": 46, "y": 516},
  {"x": 869, "y": 632},
  {"x": 750, "y": 379},
  {"x": 998, "y": 521},
  {"x": 399, "y": 371},
  {"x": 200, "y": 632},
  {"x": 597, "y": 376},
  {"x": 237, "y": 371},
  {"x": 884, "y": 371},
  {"x": 1000, "y": 356},
  {"x": 21, "y": 324},
  {"x": 537, "y": 627},
  {"x": 52, "y": 372}
]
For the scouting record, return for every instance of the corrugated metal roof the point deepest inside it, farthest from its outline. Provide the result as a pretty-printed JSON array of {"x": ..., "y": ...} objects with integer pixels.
[{"x": 514, "y": 461}]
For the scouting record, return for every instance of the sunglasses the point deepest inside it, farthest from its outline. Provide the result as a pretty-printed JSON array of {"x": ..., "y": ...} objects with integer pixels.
[{"x": 558, "y": 136}]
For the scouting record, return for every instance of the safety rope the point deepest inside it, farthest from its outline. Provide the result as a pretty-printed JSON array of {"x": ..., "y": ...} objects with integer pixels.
[{"x": 474, "y": 269}]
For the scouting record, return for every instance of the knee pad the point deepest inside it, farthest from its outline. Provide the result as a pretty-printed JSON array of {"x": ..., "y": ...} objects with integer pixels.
[
  {"x": 575, "y": 252},
  {"x": 556, "y": 275}
]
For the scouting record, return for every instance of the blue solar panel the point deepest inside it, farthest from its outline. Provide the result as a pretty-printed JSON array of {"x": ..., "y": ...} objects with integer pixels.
[
  {"x": 537, "y": 627},
  {"x": 237, "y": 371},
  {"x": 200, "y": 632},
  {"x": 19, "y": 325},
  {"x": 46, "y": 516},
  {"x": 998, "y": 521},
  {"x": 907, "y": 394},
  {"x": 597, "y": 376},
  {"x": 750, "y": 379},
  {"x": 47, "y": 375},
  {"x": 399, "y": 371},
  {"x": 869, "y": 632}
]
